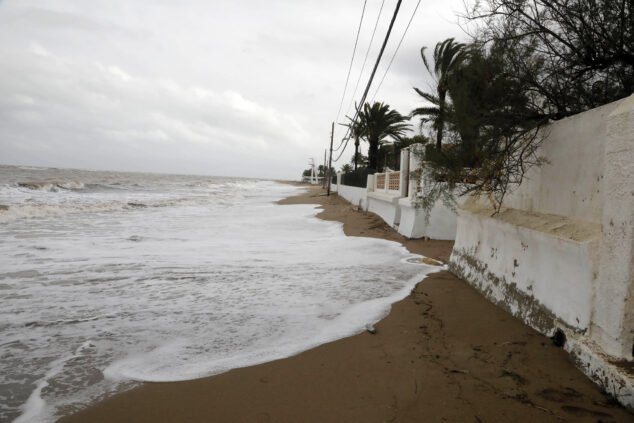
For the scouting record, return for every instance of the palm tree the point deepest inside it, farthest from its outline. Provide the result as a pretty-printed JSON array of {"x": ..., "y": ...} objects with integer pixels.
[
  {"x": 381, "y": 122},
  {"x": 447, "y": 57},
  {"x": 346, "y": 168},
  {"x": 357, "y": 131},
  {"x": 360, "y": 159}
]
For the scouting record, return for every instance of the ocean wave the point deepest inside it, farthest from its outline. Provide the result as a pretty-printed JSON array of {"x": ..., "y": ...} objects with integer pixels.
[
  {"x": 33, "y": 168},
  {"x": 52, "y": 186},
  {"x": 60, "y": 322},
  {"x": 35, "y": 403},
  {"x": 23, "y": 211},
  {"x": 15, "y": 212},
  {"x": 136, "y": 205}
]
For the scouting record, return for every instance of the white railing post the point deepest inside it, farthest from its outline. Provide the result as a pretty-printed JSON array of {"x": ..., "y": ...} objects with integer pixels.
[
  {"x": 338, "y": 179},
  {"x": 404, "y": 176},
  {"x": 415, "y": 151},
  {"x": 370, "y": 184}
]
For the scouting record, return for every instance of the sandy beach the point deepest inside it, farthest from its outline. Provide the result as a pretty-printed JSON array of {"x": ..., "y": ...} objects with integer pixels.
[{"x": 443, "y": 354}]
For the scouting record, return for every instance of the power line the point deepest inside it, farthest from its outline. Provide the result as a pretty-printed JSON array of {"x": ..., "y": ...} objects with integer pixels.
[
  {"x": 376, "y": 24},
  {"x": 340, "y": 144},
  {"x": 352, "y": 59},
  {"x": 376, "y": 65},
  {"x": 344, "y": 148},
  {"x": 378, "y": 59},
  {"x": 395, "y": 51}
]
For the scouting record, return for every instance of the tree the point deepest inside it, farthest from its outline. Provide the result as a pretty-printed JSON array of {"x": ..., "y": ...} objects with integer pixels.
[
  {"x": 357, "y": 131},
  {"x": 360, "y": 159},
  {"x": 573, "y": 54},
  {"x": 381, "y": 122},
  {"x": 407, "y": 141},
  {"x": 322, "y": 170},
  {"x": 493, "y": 126},
  {"x": 346, "y": 168},
  {"x": 387, "y": 156},
  {"x": 447, "y": 56},
  {"x": 528, "y": 63}
]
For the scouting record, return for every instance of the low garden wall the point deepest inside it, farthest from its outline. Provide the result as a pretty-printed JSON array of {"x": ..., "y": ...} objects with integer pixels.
[{"x": 354, "y": 195}]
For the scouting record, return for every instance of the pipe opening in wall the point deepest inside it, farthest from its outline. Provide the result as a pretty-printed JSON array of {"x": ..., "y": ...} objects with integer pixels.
[{"x": 559, "y": 338}]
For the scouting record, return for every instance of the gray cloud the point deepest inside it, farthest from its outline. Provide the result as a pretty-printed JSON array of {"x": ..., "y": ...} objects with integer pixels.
[{"x": 225, "y": 88}]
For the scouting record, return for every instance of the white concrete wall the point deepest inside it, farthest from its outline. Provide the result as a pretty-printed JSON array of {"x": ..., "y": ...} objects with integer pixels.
[
  {"x": 355, "y": 195},
  {"x": 560, "y": 254},
  {"x": 442, "y": 221},
  {"x": 613, "y": 311},
  {"x": 572, "y": 183},
  {"x": 386, "y": 206},
  {"x": 543, "y": 279},
  {"x": 414, "y": 223}
]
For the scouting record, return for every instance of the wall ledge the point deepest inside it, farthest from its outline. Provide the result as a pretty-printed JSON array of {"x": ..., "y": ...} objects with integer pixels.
[
  {"x": 562, "y": 227},
  {"x": 382, "y": 196}
]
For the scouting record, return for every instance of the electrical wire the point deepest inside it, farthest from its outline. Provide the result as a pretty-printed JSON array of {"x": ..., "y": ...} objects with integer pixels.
[
  {"x": 344, "y": 149},
  {"x": 376, "y": 24},
  {"x": 376, "y": 65},
  {"x": 356, "y": 41},
  {"x": 395, "y": 51},
  {"x": 340, "y": 144},
  {"x": 365, "y": 59}
]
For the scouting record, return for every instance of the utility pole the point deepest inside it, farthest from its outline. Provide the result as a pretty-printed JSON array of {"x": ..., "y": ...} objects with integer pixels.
[
  {"x": 332, "y": 134},
  {"x": 323, "y": 182}
]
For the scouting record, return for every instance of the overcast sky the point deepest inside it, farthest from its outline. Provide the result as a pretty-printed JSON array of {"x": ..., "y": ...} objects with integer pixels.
[{"x": 232, "y": 88}]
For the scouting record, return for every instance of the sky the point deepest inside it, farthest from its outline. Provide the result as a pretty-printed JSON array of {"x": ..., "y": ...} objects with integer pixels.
[{"x": 229, "y": 88}]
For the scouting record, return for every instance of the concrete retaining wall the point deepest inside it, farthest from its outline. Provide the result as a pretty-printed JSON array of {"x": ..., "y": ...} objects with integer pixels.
[
  {"x": 386, "y": 206},
  {"x": 395, "y": 206},
  {"x": 414, "y": 223},
  {"x": 441, "y": 224},
  {"x": 559, "y": 255},
  {"x": 544, "y": 279},
  {"x": 355, "y": 195}
]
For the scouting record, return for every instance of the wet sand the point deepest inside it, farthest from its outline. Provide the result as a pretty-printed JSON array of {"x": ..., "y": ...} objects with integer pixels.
[{"x": 443, "y": 354}]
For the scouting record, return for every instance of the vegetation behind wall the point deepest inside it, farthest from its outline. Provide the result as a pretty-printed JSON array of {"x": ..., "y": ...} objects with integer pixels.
[
  {"x": 358, "y": 178},
  {"x": 528, "y": 63}
]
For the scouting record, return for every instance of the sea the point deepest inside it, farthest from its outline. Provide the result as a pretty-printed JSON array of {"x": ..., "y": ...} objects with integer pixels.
[{"x": 111, "y": 279}]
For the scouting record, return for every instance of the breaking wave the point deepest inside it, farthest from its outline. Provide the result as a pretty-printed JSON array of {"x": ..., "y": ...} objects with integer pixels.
[
  {"x": 9, "y": 213},
  {"x": 52, "y": 186}
]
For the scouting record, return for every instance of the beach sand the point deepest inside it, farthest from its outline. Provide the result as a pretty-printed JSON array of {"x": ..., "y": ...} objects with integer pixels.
[{"x": 443, "y": 354}]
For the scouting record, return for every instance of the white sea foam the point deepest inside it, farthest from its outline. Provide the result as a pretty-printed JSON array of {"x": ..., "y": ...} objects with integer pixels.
[
  {"x": 16, "y": 212},
  {"x": 32, "y": 168},
  {"x": 198, "y": 276},
  {"x": 33, "y": 409}
]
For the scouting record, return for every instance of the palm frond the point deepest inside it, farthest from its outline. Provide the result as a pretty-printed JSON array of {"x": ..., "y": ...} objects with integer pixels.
[
  {"x": 426, "y": 111},
  {"x": 422, "y": 54},
  {"x": 429, "y": 97}
]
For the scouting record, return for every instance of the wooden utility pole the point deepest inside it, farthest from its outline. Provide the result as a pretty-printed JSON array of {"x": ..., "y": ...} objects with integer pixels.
[
  {"x": 323, "y": 182},
  {"x": 332, "y": 134}
]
